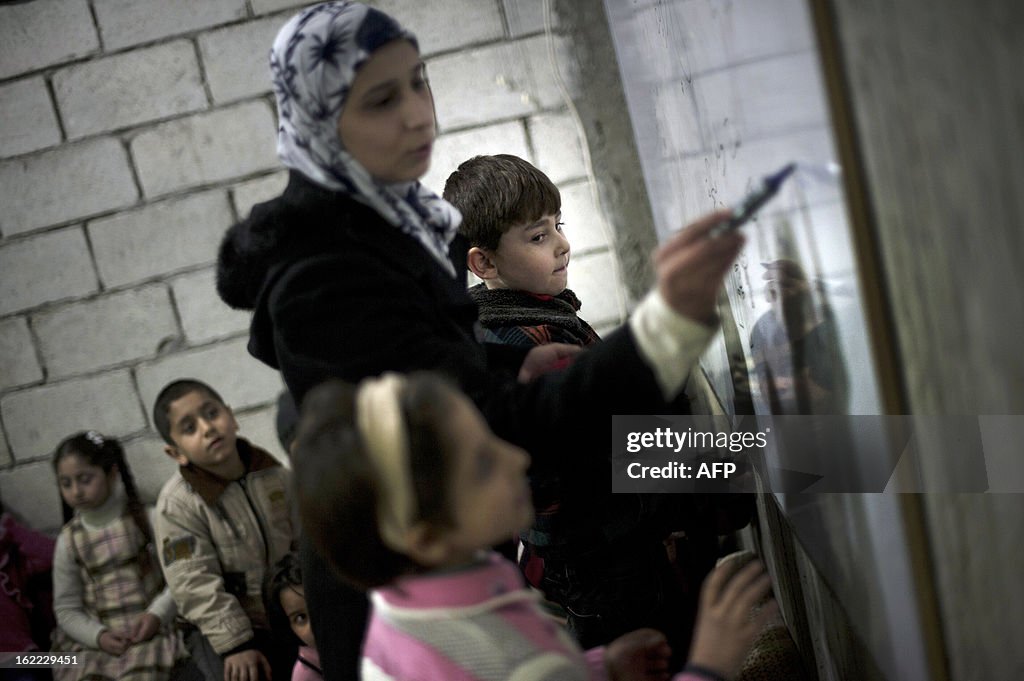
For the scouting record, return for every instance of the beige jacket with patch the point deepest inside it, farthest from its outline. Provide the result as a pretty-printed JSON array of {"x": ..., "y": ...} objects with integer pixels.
[{"x": 216, "y": 539}]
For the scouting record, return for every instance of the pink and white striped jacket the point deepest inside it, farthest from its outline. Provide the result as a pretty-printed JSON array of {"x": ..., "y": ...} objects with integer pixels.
[{"x": 475, "y": 624}]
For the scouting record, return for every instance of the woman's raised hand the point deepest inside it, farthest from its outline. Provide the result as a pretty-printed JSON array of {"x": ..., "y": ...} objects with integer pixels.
[{"x": 691, "y": 264}]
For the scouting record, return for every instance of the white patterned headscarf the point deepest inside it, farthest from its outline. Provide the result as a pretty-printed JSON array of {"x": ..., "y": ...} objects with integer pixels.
[{"x": 313, "y": 62}]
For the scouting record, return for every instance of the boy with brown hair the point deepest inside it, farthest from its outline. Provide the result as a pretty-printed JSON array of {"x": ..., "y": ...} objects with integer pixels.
[
  {"x": 602, "y": 557},
  {"x": 512, "y": 216},
  {"x": 221, "y": 522}
]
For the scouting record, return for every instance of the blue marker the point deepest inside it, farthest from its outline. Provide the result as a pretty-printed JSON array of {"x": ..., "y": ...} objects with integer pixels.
[{"x": 754, "y": 200}]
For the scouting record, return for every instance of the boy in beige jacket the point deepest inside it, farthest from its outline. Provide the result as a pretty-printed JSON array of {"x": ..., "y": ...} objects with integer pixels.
[{"x": 220, "y": 523}]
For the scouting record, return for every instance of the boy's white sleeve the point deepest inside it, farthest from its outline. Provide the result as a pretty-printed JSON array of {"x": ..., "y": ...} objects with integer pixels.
[
  {"x": 668, "y": 342},
  {"x": 68, "y": 593}
]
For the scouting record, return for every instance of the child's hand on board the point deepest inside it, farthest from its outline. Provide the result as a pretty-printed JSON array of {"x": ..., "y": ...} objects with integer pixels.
[
  {"x": 640, "y": 655},
  {"x": 726, "y": 624}
]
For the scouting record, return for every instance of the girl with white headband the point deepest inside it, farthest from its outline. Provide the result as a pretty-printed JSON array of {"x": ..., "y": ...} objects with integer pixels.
[
  {"x": 404, "y": 488},
  {"x": 356, "y": 269}
]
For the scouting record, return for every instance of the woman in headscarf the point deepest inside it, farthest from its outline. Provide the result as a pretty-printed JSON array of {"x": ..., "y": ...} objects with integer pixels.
[{"x": 357, "y": 269}]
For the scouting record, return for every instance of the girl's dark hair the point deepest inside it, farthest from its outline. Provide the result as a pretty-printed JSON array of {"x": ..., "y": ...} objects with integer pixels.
[
  {"x": 283, "y": 574},
  {"x": 106, "y": 452},
  {"x": 337, "y": 485}
]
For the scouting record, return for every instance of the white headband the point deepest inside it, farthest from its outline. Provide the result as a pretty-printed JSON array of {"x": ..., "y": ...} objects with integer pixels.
[{"x": 382, "y": 428}]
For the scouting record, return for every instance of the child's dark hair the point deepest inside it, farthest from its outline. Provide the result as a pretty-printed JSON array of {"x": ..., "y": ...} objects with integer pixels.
[
  {"x": 494, "y": 193},
  {"x": 105, "y": 453},
  {"x": 338, "y": 486},
  {"x": 171, "y": 392},
  {"x": 283, "y": 574}
]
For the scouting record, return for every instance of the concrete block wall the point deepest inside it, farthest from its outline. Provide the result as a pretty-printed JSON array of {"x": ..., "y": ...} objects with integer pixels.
[{"x": 134, "y": 132}]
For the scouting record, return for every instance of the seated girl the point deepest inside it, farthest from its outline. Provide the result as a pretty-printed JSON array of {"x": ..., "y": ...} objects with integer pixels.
[
  {"x": 109, "y": 594},
  {"x": 284, "y": 599}
]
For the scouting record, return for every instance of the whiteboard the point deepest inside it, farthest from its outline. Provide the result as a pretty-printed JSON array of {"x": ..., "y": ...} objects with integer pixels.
[{"x": 720, "y": 94}]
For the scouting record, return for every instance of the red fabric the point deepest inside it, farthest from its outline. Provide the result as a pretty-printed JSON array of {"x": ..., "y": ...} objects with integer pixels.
[
  {"x": 560, "y": 363},
  {"x": 26, "y": 558},
  {"x": 533, "y": 569}
]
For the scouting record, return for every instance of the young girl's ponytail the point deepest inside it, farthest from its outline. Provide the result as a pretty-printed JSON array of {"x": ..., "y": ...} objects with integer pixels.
[
  {"x": 137, "y": 511},
  {"x": 106, "y": 452}
]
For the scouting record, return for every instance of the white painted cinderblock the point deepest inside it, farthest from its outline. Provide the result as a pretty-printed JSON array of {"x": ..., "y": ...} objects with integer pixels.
[
  {"x": 235, "y": 59},
  {"x": 260, "y": 428},
  {"x": 38, "y": 34},
  {"x": 439, "y": 26},
  {"x": 227, "y": 367},
  {"x": 5, "y": 452},
  {"x": 557, "y": 146},
  {"x": 497, "y": 82},
  {"x": 128, "y": 89},
  {"x": 37, "y": 419},
  {"x": 452, "y": 149},
  {"x": 18, "y": 363},
  {"x": 267, "y": 6},
  {"x": 31, "y": 493},
  {"x": 527, "y": 16},
  {"x": 444, "y": 26},
  {"x": 130, "y": 22},
  {"x": 593, "y": 278},
  {"x": 204, "y": 316},
  {"x": 585, "y": 226},
  {"x": 480, "y": 86},
  {"x": 45, "y": 268},
  {"x": 106, "y": 331},
  {"x": 160, "y": 238},
  {"x": 68, "y": 183},
  {"x": 206, "y": 148},
  {"x": 151, "y": 466},
  {"x": 27, "y": 120},
  {"x": 248, "y": 194}
]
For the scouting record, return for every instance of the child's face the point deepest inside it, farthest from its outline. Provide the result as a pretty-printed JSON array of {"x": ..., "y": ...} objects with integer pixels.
[
  {"x": 490, "y": 494},
  {"x": 83, "y": 485},
  {"x": 533, "y": 257},
  {"x": 205, "y": 434},
  {"x": 387, "y": 123},
  {"x": 293, "y": 602}
]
